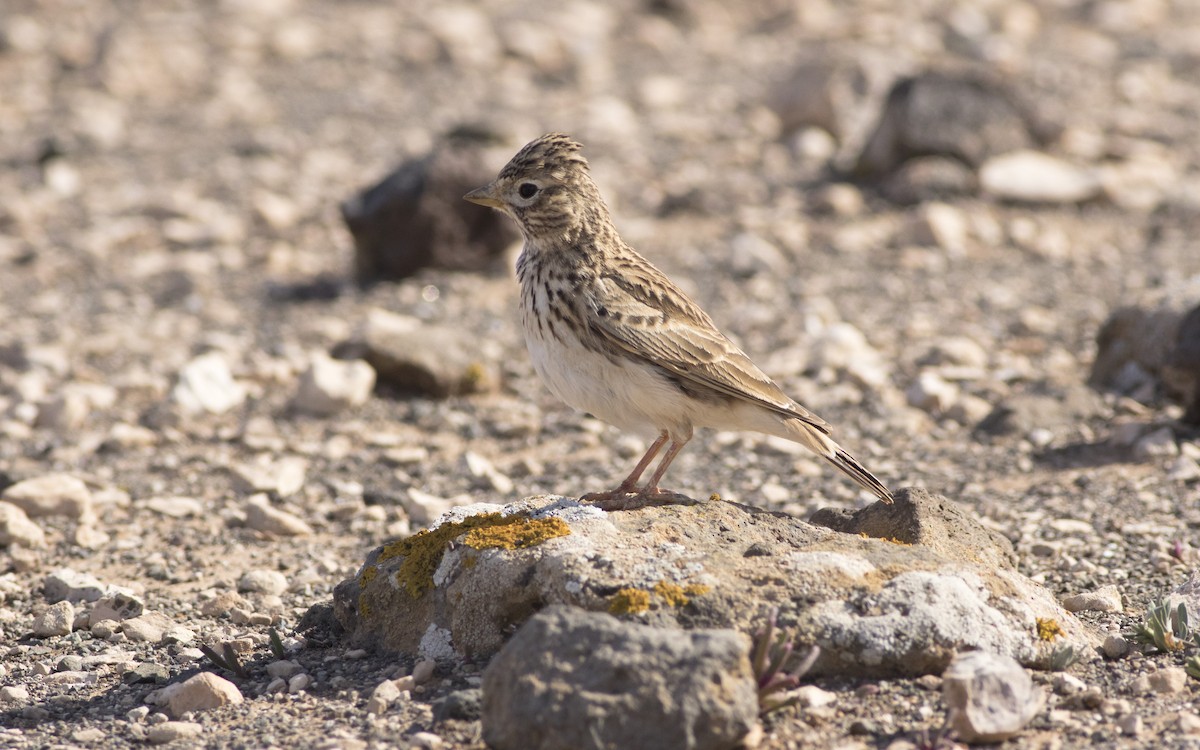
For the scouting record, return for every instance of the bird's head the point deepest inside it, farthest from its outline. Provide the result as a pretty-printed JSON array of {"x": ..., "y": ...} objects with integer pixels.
[{"x": 546, "y": 189}]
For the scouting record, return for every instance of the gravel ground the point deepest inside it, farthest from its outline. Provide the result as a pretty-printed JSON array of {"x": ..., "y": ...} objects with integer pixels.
[{"x": 170, "y": 186}]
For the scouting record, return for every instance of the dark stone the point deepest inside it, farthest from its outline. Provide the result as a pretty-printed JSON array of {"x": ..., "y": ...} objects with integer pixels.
[
  {"x": 576, "y": 679},
  {"x": 416, "y": 218},
  {"x": 962, "y": 116},
  {"x": 928, "y": 178},
  {"x": 147, "y": 672},
  {"x": 463, "y": 705}
]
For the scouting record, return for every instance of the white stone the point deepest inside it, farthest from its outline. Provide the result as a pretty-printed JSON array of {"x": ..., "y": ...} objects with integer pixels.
[
  {"x": 284, "y": 668},
  {"x": 423, "y": 671},
  {"x": 284, "y": 477},
  {"x": 70, "y": 585},
  {"x": 56, "y": 620},
  {"x": 1038, "y": 178},
  {"x": 14, "y": 694},
  {"x": 989, "y": 697},
  {"x": 1114, "y": 647},
  {"x": 299, "y": 682},
  {"x": 1104, "y": 599},
  {"x": 206, "y": 384},
  {"x": 176, "y": 507},
  {"x": 940, "y": 224},
  {"x": 1169, "y": 680},
  {"x": 262, "y": 581},
  {"x": 50, "y": 495},
  {"x": 930, "y": 393},
  {"x": 1157, "y": 444},
  {"x": 16, "y": 528},
  {"x": 330, "y": 385},
  {"x": 811, "y": 696},
  {"x": 264, "y": 517},
  {"x": 202, "y": 692},
  {"x": 171, "y": 731}
]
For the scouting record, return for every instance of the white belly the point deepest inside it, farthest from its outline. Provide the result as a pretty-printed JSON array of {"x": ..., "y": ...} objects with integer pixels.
[{"x": 629, "y": 396}]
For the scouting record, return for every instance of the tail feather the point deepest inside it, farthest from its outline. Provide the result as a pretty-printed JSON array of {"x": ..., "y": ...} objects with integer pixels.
[
  {"x": 856, "y": 471},
  {"x": 824, "y": 446}
]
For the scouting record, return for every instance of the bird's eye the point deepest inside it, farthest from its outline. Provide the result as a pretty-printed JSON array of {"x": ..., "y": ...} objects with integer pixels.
[{"x": 527, "y": 190}]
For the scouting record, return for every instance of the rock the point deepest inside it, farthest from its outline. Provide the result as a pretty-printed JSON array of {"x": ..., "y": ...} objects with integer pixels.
[
  {"x": 967, "y": 118},
  {"x": 930, "y": 393},
  {"x": 463, "y": 705},
  {"x": 940, "y": 225},
  {"x": 263, "y": 582},
  {"x": 989, "y": 697},
  {"x": 284, "y": 476},
  {"x": 939, "y": 583},
  {"x": 1114, "y": 647},
  {"x": 1169, "y": 680},
  {"x": 206, "y": 384},
  {"x": 69, "y": 585},
  {"x": 16, "y": 528},
  {"x": 117, "y": 606},
  {"x": 818, "y": 93},
  {"x": 842, "y": 347},
  {"x": 1158, "y": 443},
  {"x": 1157, "y": 336},
  {"x": 56, "y": 620},
  {"x": 330, "y": 386},
  {"x": 384, "y": 694},
  {"x": 176, "y": 507},
  {"x": 928, "y": 178},
  {"x": 298, "y": 683},
  {"x": 1034, "y": 177},
  {"x": 415, "y": 357},
  {"x": 264, "y": 517},
  {"x": 423, "y": 671},
  {"x": 811, "y": 696},
  {"x": 1188, "y": 723},
  {"x": 51, "y": 495},
  {"x": 148, "y": 628},
  {"x": 201, "y": 692},
  {"x": 660, "y": 687},
  {"x": 917, "y": 517},
  {"x": 14, "y": 694},
  {"x": 1022, "y": 413},
  {"x": 171, "y": 731},
  {"x": 1103, "y": 599},
  {"x": 416, "y": 218},
  {"x": 64, "y": 412}
]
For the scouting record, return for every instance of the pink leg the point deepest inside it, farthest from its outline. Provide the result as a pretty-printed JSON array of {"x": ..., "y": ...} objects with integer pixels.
[{"x": 631, "y": 480}]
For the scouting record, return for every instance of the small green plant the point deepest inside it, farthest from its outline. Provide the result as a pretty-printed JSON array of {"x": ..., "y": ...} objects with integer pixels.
[
  {"x": 1062, "y": 657},
  {"x": 1192, "y": 667},
  {"x": 772, "y": 650},
  {"x": 228, "y": 660},
  {"x": 276, "y": 644},
  {"x": 1164, "y": 627}
]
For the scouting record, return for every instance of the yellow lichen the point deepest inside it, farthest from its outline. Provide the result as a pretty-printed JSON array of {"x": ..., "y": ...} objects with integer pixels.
[
  {"x": 629, "y": 602},
  {"x": 671, "y": 593},
  {"x": 714, "y": 497},
  {"x": 1048, "y": 629},
  {"x": 423, "y": 551},
  {"x": 696, "y": 589},
  {"x": 368, "y": 575},
  {"x": 520, "y": 533}
]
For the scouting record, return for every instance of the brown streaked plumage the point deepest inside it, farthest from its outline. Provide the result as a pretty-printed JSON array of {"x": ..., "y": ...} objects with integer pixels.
[{"x": 611, "y": 335}]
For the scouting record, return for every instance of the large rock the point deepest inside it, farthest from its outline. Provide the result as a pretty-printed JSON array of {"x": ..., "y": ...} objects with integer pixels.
[
  {"x": 904, "y": 604},
  {"x": 1152, "y": 347},
  {"x": 416, "y": 217},
  {"x": 571, "y": 679},
  {"x": 989, "y": 697},
  {"x": 413, "y": 356},
  {"x": 938, "y": 114}
]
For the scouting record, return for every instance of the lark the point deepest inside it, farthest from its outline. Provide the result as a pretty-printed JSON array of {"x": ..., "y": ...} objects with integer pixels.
[{"x": 612, "y": 336}]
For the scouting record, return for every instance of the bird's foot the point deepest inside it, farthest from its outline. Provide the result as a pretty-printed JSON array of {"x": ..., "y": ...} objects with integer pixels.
[{"x": 623, "y": 499}]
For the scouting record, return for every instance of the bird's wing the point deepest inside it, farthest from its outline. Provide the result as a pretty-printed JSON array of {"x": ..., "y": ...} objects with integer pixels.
[{"x": 640, "y": 311}]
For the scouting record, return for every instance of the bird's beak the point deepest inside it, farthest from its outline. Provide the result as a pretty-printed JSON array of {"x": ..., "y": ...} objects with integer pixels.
[{"x": 484, "y": 196}]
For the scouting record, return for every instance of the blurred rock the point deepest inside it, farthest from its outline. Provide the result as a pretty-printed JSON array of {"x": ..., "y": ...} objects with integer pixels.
[
  {"x": 17, "y": 529},
  {"x": 416, "y": 357},
  {"x": 989, "y": 697},
  {"x": 930, "y": 393},
  {"x": 51, "y": 495},
  {"x": 206, "y": 384},
  {"x": 1152, "y": 347},
  {"x": 818, "y": 93},
  {"x": 693, "y": 691},
  {"x": 1103, "y": 599},
  {"x": 1034, "y": 177},
  {"x": 416, "y": 218},
  {"x": 940, "y": 225},
  {"x": 262, "y": 581},
  {"x": 942, "y": 114},
  {"x": 330, "y": 386},
  {"x": 264, "y": 517},
  {"x": 72, "y": 586},
  {"x": 928, "y": 178},
  {"x": 200, "y": 692},
  {"x": 1022, "y": 413}
]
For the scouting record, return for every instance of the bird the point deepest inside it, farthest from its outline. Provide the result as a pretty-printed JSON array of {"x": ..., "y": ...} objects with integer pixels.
[{"x": 612, "y": 336}]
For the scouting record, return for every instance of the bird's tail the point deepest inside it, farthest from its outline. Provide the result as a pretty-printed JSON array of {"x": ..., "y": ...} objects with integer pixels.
[{"x": 823, "y": 446}]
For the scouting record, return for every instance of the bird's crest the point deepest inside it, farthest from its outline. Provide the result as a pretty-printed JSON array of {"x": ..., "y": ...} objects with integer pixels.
[{"x": 553, "y": 152}]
